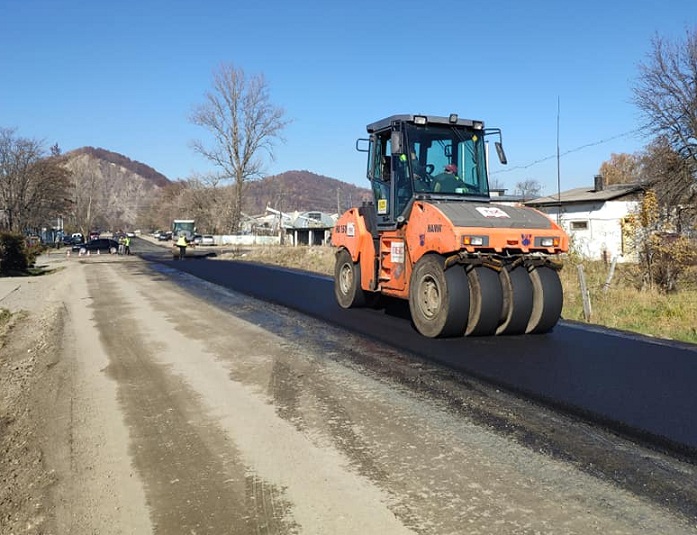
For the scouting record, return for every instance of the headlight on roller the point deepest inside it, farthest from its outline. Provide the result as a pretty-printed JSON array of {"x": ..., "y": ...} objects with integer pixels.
[
  {"x": 547, "y": 242},
  {"x": 477, "y": 241}
]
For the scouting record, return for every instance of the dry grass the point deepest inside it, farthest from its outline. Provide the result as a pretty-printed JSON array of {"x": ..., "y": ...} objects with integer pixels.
[
  {"x": 316, "y": 259},
  {"x": 622, "y": 306}
]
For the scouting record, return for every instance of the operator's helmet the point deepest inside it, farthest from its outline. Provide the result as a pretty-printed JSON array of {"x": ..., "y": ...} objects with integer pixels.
[{"x": 451, "y": 168}]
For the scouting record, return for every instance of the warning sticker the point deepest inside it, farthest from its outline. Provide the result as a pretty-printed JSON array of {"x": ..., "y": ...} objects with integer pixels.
[
  {"x": 397, "y": 252},
  {"x": 382, "y": 206},
  {"x": 350, "y": 229},
  {"x": 491, "y": 211}
]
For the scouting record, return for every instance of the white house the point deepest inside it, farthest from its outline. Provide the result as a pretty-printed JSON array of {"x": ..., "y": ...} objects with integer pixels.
[{"x": 594, "y": 218}]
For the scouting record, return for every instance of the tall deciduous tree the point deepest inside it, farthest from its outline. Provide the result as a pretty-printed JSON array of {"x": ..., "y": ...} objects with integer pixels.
[
  {"x": 34, "y": 190},
  {"x": 666, "y": 93},
  {"x": 48, "y": 194},
  {"x": 621, "y": 169},
  {"x": 244, "y": 124}
]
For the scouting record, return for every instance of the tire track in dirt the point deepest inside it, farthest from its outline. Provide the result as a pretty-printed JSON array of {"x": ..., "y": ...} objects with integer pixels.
[{"x": 193, "y": 477}]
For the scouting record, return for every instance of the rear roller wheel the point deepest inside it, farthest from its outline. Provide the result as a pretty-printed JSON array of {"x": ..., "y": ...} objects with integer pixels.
[
  {"x": 548, "y": 299},
  {"x": 486, "y": 301},
  {"x": 347, "y": 281},
  {"x": 438, "y": 300},
  {"x": 517, "y": 301}
]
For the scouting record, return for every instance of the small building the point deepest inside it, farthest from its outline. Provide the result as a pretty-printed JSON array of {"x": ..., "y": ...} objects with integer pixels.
[
  {"x": 302, "y": 228},
  {"x": 312, "y": 228},
  {"x": 595, "y": 218}
]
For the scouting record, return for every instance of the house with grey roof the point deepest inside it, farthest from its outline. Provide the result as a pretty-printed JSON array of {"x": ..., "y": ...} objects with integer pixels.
[
  {"x": 595, "y": 218},
  {"x": 301, "y": 228}
]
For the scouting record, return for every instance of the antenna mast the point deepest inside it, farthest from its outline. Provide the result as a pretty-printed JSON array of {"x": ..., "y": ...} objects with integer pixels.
[{"x": 558, "y": 170}]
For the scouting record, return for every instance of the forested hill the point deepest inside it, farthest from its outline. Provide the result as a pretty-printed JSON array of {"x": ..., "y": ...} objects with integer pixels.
[
  {"x": 302, "y": 191},
  {"x": 129, "y": 194},
  {"x": 137, "y": 168}
]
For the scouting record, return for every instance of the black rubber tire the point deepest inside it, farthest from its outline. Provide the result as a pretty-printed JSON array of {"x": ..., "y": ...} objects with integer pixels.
[
  {"x": 347, "y": 281},
  {"x": 548, "y": 300},
  {"x": 517, "y": 301},
  {"x": 438, "y": 300},
  {"x": 486, "y": 301}
]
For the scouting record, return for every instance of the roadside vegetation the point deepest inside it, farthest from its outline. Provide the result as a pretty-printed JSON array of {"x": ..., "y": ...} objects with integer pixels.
[
  {"x": 17, "y": 255},
  {"x": 626, "y": 303}
]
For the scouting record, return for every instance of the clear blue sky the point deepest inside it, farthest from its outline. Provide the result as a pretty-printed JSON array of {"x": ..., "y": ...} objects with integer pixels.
[{"x": 126, "y": 75}]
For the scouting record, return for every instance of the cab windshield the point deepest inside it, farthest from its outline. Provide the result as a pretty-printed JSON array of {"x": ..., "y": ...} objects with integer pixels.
[{"x": 448, "y": 160}]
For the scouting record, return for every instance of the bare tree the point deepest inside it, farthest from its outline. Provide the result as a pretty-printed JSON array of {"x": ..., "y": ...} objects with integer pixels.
[
  {"x": 170, "y": 203},
  {"x": 528, "y": 188},
  {"x": 47, "y": 196},
  {"x": 666, "y": 94},
  {"x": 17, "y": 155},
  {"x": 205, "y": 202},
  {"x": 33, "y": 189},
  {"x": 86, "y": 195},
  {"x": 244, "y": 124}
]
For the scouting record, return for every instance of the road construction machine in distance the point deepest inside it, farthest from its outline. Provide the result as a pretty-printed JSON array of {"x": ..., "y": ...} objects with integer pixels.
[{"x": 432, "y": 235}]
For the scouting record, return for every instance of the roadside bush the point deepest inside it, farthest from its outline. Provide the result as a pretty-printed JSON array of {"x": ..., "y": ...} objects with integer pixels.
[
  {"x": 32, "y": 251},
  {"x": 14, "y": 255},
  {"x": 668, "y": 257}
]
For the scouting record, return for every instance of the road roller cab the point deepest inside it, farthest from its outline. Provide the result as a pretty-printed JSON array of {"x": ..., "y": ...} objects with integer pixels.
[{"x": 432, "y": 236}]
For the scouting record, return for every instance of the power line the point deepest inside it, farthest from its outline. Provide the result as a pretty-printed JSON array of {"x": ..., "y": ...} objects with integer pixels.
[{"x": 541, "y": 160}]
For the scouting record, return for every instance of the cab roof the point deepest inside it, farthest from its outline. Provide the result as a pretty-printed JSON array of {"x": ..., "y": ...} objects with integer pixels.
[{"x": 452, "y": 120}]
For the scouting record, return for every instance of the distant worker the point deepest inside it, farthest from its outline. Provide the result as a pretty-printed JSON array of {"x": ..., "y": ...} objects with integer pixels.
[
  {"x": 181, "y": 243},
  {"x": 127, "y": 245},
  {"x": 447, "y": 181}
]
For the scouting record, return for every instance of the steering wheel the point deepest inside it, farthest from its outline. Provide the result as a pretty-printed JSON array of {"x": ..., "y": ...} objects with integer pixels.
[{"x": 430, "y": 168}]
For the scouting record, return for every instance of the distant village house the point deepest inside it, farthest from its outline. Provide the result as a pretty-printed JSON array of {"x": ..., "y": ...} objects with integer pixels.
[{"x": 595, "y": 218}]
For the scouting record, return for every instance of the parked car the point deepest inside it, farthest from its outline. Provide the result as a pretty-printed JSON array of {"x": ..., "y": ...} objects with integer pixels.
[
  {"x": 103, "y": 245},
  {"x": 72, "y": 240},
  {"x": 196, "y": 239},
  {"x": 164, "y": 236},
  {"x": 207, "y": 239}
]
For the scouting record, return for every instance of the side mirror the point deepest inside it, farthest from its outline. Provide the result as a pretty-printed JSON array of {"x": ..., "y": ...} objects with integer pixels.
[
  {"x": 362, "y": 145},
  {"x": 501, "y": 154}
]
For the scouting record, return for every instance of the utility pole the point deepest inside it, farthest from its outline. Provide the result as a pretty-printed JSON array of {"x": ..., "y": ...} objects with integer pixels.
[{"x": 558, "y": 170}]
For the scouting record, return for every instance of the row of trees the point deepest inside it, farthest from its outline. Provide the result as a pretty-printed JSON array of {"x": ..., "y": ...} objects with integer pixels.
[
  {"x": 34, "y": 187},
  {"x": 47, "y": 190},
  {"x": 209, "y": 202}
]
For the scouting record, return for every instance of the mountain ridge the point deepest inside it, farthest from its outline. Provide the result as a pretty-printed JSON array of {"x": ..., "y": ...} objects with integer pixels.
[
  {"x": 302, "y": 191},
  {"x": 128, "y": 192},
  {"x": 136, "y": 167}
]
